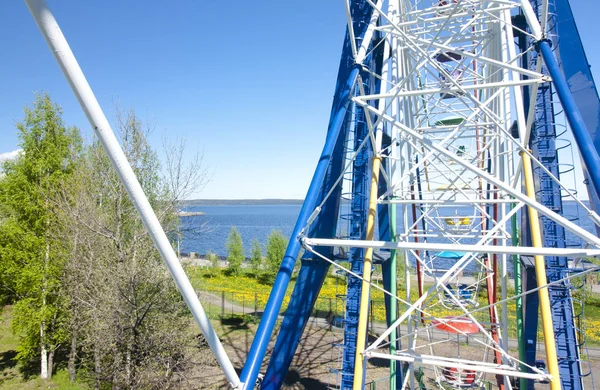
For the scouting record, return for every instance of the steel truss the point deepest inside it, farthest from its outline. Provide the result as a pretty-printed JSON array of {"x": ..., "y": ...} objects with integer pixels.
[{"x": 450, "y": 100}]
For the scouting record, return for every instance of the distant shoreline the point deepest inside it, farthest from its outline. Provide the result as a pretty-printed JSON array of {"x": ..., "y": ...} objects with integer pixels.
[
  {"x": 189, "y": 213},
  {"x": 246, "y": 202},
  {"x": 263, "y": 202}
]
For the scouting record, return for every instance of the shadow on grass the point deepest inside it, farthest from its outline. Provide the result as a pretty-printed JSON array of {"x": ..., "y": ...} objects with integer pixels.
[
  {"x": 237, "y": 322},
  {"x": 9, "y": 366},
  {"x": 8, "y": 360},
  {"x": 266, "y": 279},
  {"x": 293, "y": 377}
]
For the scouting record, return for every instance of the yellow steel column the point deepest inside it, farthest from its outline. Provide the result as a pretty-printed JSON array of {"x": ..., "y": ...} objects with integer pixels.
[
  {"x": 363, "y": 316},
  {"x": 540, "y": 272}
]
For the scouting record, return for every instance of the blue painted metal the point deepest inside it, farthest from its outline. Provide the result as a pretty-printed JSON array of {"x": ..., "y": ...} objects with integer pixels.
[
  {"x": 577, "y": 72},
  {"x": 309, "y": 282},
  {"x": 310, "y": 279},
  {"x": 313, "y": 270},
  {"x": 548, "y": 193},
  {"x": 588, "y": 152},
  {"x": 347, "y": 76},
  {"x": 267, "y": 323},
  {"x": 361, "y": 179},
  {"x": 557, "y": 267},
  {"x": 530, "y": 302}
]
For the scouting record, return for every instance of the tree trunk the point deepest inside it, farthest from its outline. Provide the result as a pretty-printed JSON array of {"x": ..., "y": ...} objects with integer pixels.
[
  {"x": 43, "y": 346},
  {"x": 72, "y": 357},
  {"x": 128, "y": 363},
  {"x": 96, "y": 369},
  {"x": 74, "y": 321},
  {"x": 50, "y": 362},
  {"x": 116, "y": 368},
  {"x": 44, "y": 353}
]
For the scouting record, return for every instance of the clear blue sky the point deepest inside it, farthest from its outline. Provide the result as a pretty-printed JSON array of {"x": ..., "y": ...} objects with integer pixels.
[{"x": 248, "y": 82}]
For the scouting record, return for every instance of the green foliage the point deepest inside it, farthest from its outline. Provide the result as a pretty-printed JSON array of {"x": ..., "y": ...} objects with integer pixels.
[
  {"x": 133, "y": 322},
  {"x": 235, "y": 251},
  {"x": 276, "y": 245},
  {"x": 213, "y": 264},
  {"x": 10, "y": 378},
  {"x": 75, "y": 259},
  {"x": 33, "y": 255},
  {"x": 400, "y": 264},
  {"x": 256, "y": 258}
]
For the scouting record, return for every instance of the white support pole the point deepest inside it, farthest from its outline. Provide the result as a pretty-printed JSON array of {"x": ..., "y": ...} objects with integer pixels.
[
  {"x": 475, "y": 366},
  {"x": 439, "y": 247},
  {"x": 364, "y": 46},
  {"x": 70, "y": 68},
  {"x": 532, "y": 20},
  {"x": 508, "y": 39},
  {"x": 351, "y": 29}
]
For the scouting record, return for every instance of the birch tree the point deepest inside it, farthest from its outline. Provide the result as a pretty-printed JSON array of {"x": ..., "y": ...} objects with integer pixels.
[
  {"x": 133, "y": 326},
  {"x": 32, "y": 259}
]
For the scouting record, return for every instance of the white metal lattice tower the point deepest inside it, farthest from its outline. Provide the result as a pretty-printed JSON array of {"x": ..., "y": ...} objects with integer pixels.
[{"x": 457, "y": 171}]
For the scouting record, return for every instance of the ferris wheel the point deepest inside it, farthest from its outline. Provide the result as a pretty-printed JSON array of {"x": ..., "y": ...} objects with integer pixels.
[{"x": 444, "y": 106}]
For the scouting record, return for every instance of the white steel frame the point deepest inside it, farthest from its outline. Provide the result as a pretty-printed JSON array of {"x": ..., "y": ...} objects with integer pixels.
[{"x": 479, "y": 86}]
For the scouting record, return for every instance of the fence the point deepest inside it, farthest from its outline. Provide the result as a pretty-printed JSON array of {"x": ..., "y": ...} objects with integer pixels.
[{"x": 220, "y": 304}]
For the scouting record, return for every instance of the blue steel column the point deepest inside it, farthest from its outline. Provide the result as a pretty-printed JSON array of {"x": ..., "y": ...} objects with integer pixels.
[
  {"x": 544, "y": 148},
  {"x": 548, "y": 193},
  {"x": 531, "y": 307},
  {"x": 309, "y": 281},
  {"x": 312, "y": 274},
  {"x": 557, "y": 267},
  {"x": 530, "y": 302},
  {"x": 361, "y": 178},
  {"x": 267, "y": 323},
  {"x": 588, "y": 152},
  {"x": 577, "y": 72},
  {"x": 346, "y": 81}
]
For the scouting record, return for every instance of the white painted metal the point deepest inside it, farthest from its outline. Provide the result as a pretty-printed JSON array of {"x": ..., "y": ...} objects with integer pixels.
[
  {"x": 350, "y": 28},
  {"x": 504, "y": 370},
  {"x": 364, "y": 46},
  {"x": 447, "y": 100},
  {"x": 70, "y": 68},
  {"x": 509, "y": 250},
  {"x": 532, "y": 20},
  {"x": 589, "y": 237}
]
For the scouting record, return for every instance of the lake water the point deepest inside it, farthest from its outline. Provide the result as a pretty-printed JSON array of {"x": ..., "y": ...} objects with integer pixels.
[{"x": 209, "y": 232}]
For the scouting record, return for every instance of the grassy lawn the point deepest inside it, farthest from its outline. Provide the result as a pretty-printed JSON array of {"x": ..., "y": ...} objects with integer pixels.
[
  {"x": 10, "y": 375},
  {"x": 246, "y": 289}
]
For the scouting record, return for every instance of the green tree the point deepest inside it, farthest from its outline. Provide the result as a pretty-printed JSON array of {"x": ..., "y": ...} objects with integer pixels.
[
  {"x": 235, "y": 251},
  {"x": 276, "y": 245},
  {"x": 256, "y": 258},
  {"x": 133, "y": 324},
  {"x": 32, "y": 254}
]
